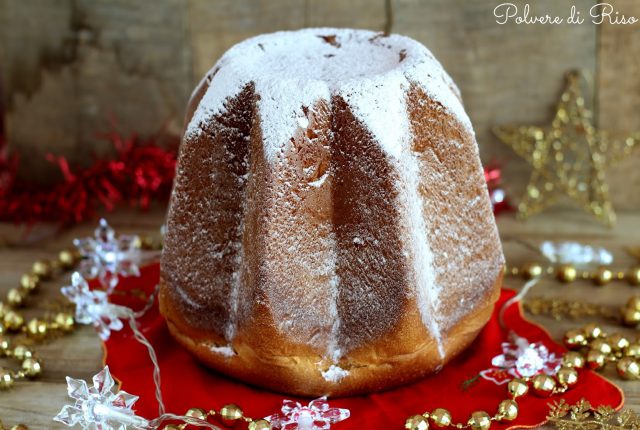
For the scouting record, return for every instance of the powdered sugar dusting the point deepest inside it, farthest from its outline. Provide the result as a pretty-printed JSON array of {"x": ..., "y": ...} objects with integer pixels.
[
  {"x": 335, "y": 374},
  {"x": 226, "y": 351},
  {"x": 294, "y": 69}
]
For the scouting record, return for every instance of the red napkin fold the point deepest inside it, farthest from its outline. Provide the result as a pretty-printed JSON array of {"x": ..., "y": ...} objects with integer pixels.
[{"x": 458, "y": 387}]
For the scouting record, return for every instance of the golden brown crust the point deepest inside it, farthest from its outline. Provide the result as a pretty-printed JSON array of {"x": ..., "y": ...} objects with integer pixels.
[{"x": 295, "y": 369}]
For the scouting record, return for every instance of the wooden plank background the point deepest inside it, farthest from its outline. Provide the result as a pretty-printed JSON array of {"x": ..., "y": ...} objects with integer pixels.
[{"x": 68, "y": 66}]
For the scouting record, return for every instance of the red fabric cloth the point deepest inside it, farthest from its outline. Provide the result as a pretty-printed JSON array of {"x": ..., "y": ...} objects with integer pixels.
[{"x": 186, "y": 383}]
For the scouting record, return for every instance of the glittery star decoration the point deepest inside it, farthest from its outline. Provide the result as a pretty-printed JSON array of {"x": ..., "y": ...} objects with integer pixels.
[
  {"x": 93, "y": 307},
  {"x": 106, "y": 255},
  {"x": 316, "y": 416},
  {"x": 569, "y": 157},
  {"x": 98, "y": 407}
]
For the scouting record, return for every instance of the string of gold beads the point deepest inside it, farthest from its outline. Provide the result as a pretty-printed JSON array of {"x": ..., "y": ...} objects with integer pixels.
[
  {"x": 568, "y": 273},
  {"x": 30, "y": 366},
  {"x": 36, "y": 329},
  {"x": 542, "y": 385},
  {"x": 597, "y": 349},
  {"x": 15, "y": 427},
  {"x": 229, "y": 415}
]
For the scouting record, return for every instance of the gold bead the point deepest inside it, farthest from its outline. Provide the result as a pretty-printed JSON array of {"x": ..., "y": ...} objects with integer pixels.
[
  {"x": 603, "y": 276},
  {"x": 440, "y": 417},
  {"x": 198, "y": 413},
  {"x": 596, "y": 359},
  {"x": 573, "y": 359},
  {"x": 68, "y": 258},
  {"x": 32, "y": 367},
  {"x": 3, "y": 309},
  {"x": 37, "y": 329},
  {"x": 144, "y": 242},
  {"x": 633, "y": 276},
  {"x": 631, "y": 317},
  {"x": 64, "y": 321},
  {"x": 230, "y": 414},
  {"x": 633, "y": 350},
  {"x": 628, "y": 368},
  {"x": 618, "y": 342},
  {"x": 567, "y": 376},
  {"x": 6, "y": 379},
  {"x": 21, "y": 352},
  {"x": 531, "y": 270},
  {"x": 601, "y": 345},
  {"x": 543, "y": 385},
  {"x": 574, "y": 339},
  {"x": 260, "y": 425},
  {"x": 43, "y": 269},
  {"x": 5, "y": 345},
  {"x": 416, "y": 422},
  {"x": 29, "y": 282},
  {"x": 517, "y": 387},
  {"x": 593, "y": 331},
  {"x": 13, "y": 321},
  {"x": 15, "y": 297},
  {"x": 508, "y": 410},
  {"x": 171, "y": 427},
  {"x": 634, "y": 303},
  {"x": 567, "y": 273},
  {"x": 20, "y": 427},
  {"x": 480, "y": 420}
]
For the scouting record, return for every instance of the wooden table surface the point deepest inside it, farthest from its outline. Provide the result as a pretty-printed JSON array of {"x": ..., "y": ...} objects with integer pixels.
[{"x": 79, "y": 355}]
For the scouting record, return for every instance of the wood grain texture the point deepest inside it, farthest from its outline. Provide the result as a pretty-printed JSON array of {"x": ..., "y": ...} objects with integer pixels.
[
  {"x": 79, "y": 355},
  {"x": 618, "y": 88},
  {"x": 68, "y": 65},
  {"x": 216, "y": 26},
  {"x": 72, "y": 67}
]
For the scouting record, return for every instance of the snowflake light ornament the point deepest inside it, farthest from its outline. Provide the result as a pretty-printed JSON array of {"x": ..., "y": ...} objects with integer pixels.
[
  {"x": 106, "y": 255},
  {"x": 93, "y": 307},
  {"x": 575, "y": 253},
  {"x": 521, "y": 359},
  {"x": 316, "y": 416},
  {"x": 99, "y": 407}
]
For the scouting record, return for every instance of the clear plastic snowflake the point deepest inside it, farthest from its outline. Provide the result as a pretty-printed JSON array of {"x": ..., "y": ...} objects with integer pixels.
[
  {"x": 99, "y": 407},
  {"x": 521, "y": 359},
  {"x": 316, "y": 416},
  {"x": 93, "y": 307},
  {"x": 106, "y": 255}
]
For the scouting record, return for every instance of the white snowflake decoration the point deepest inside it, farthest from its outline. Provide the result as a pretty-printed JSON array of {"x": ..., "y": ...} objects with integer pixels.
[
  {"x": 93, "y": 307},
  {"x": 575, "y": 253},
  {"x": 106, "y": 255},
  {"x": 99, "y": 407},
  {"x": 520, "y": 358},
  {"x": 316, "y": 416}
]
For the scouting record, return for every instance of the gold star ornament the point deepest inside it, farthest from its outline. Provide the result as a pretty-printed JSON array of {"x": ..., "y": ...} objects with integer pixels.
[{"x": 569, "y": 157}]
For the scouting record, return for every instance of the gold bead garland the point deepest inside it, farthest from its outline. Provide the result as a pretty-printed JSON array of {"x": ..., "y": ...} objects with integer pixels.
[
  {"x": 568, "y": 273},
  {"x": 15, "y": 427},
  {"x": 542, "y": 385},
  {"x": 30, "y": 365},
  {"x": 230, "y": 415},
  {"x": 12, "y": 322}
]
